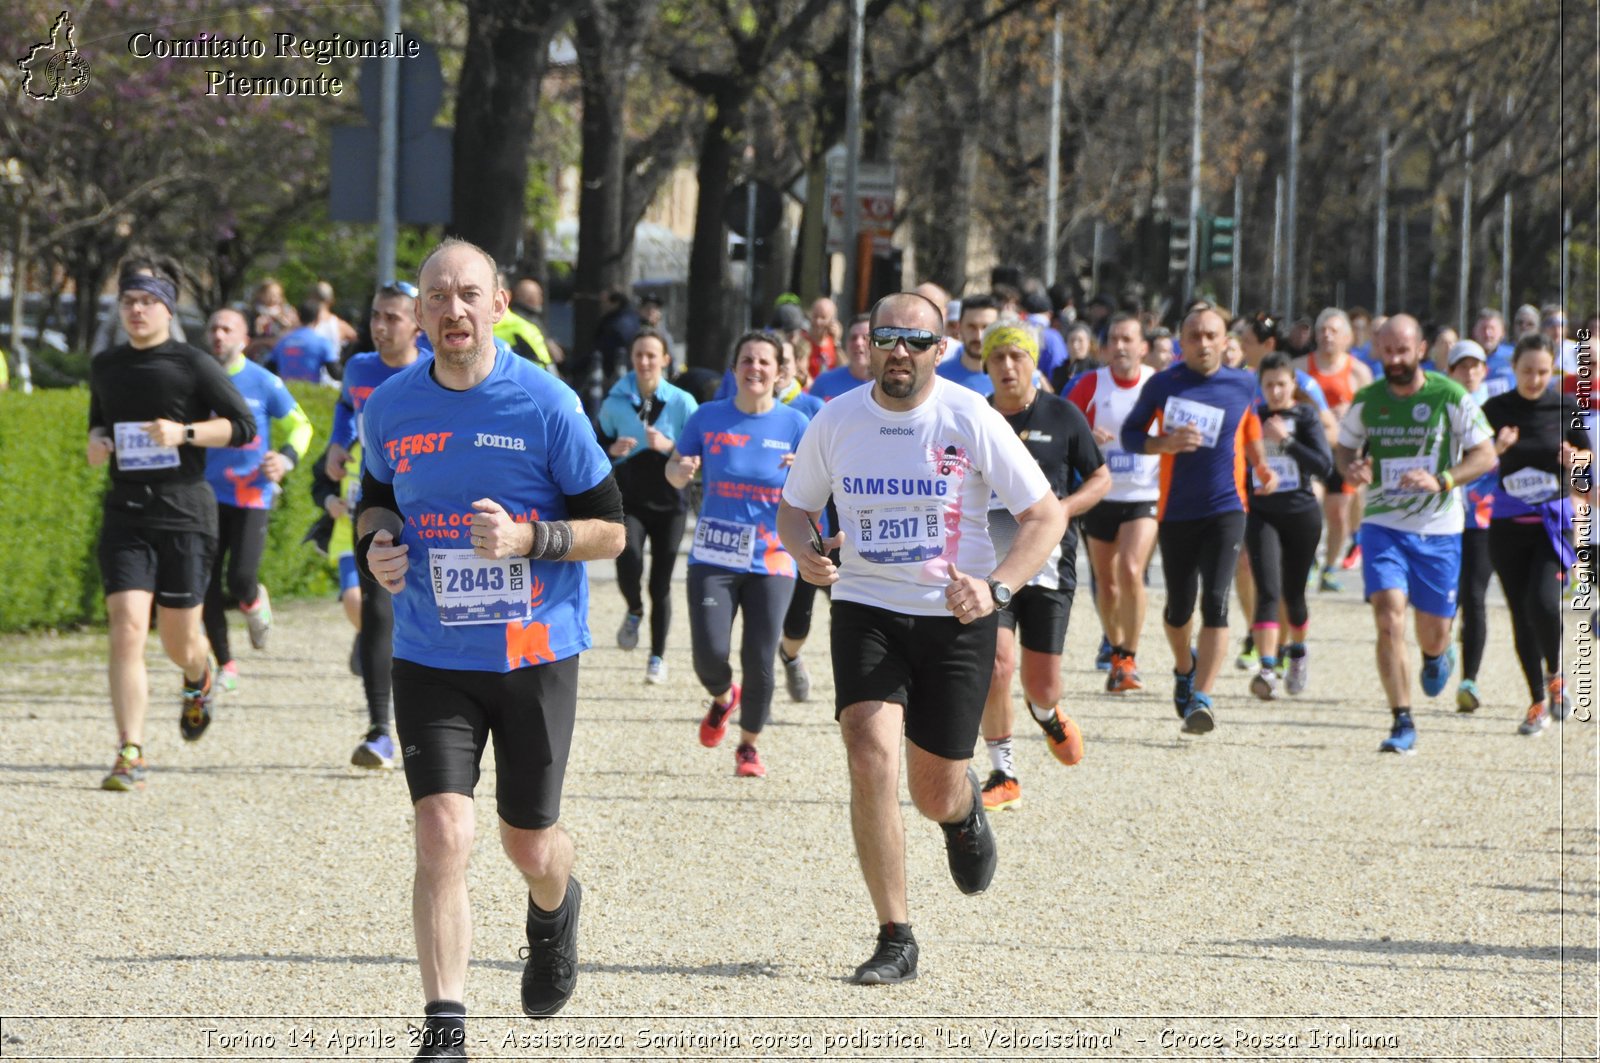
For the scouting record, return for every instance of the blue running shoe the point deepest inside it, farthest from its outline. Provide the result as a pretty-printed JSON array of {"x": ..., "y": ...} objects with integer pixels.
[
  {"x": 1436, "y": 673},
  {"x": 1102, "y": 659},
  {"x": 375, "y": 751},
  {"x": 1197, "y": 716},
  {"x": 1467, "y": 699},
  {"x": 1183, "y": 685},
  {"x": 1402, "y": 736}
]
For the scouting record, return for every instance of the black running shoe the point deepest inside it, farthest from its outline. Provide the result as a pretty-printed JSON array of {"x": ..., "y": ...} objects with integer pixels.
[
  {"x": 441, "y": 1039},
  {"x": 969, "y": 845},
  {"x": 552, "y": 970},
  {"x": 894, "y": 960},
  {"x": 195, "y": 715}
]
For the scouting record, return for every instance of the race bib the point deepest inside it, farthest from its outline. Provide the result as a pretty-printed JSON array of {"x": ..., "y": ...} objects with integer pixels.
[
  {"x": 135, "y": 451},
  {"x": 1498, "y": 386},
  {"x": 1120, "y": 462},
  {"x": 1532, "y": 486},
  {"x": 724, "y": 542},
  {"x": 1180, "y": 412},
  {"x": 1288, "y": 471},
  {"x": 897, "y": 535},
  {"x": 469, "y": 589},
  {"x": 1395, "y": 468}
]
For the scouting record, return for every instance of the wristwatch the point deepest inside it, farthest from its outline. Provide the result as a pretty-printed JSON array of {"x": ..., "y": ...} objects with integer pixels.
[
  {"x": 188, "y": 434},
  {"x": 1000, "y": 592}
]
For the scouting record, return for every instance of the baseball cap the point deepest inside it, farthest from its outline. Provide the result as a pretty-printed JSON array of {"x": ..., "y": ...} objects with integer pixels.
[{"x": 1462, "y": 349}]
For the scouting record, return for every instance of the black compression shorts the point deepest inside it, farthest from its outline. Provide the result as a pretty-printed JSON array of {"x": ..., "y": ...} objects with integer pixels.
[
  {"x": 1042, "y": 614},
  {"x": 1105, "y": 519},
  {"x": 176, "y": 565}
]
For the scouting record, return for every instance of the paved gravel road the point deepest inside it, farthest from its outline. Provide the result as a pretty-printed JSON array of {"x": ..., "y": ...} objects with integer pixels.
[{"x": 1274, "y": 888}]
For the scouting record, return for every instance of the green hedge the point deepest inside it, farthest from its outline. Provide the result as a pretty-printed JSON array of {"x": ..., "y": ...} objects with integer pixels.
[{"x": 50, "y": 512}]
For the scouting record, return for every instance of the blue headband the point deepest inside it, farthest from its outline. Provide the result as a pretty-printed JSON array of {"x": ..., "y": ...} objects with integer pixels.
[{"x": 159, "y": 287}]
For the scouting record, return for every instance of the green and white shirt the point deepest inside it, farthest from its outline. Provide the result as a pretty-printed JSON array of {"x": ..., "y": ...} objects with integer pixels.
[{"x": 1428, "y": 430}]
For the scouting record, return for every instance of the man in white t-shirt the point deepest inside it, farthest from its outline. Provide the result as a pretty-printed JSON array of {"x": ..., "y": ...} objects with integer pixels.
[{"x": 911, "y": 462}]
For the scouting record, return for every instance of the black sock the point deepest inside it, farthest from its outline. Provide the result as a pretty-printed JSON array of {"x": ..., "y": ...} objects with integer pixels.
[
  {"x": 1249, "y": 643},
  {"x": 1404, "y": 709},
  {"x": 1295, "y": 649},
  {"x": 446, "y": 1025},
  {"x": 895, "y": 932},
  {"x": 1429, "y": 658},
  {"x": 537, "y": 916}
]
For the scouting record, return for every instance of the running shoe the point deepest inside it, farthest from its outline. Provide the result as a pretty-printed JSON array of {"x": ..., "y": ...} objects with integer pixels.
[
  {"x": 1328, "y": 582},
  {"x": 1467, "y": 699},
  {"x": 228, "y": 677},
  {"x": 1402, "y": 736},
  {"x": 375, "y": 751},
  {"x": 628, "y": 633},
  {"x": 1556, "y": 691},
  {"x": 128, "y": 772},
  {"x": 1197, "y": 715},
  {"x": 1124, "y": 675},
  {"x": 1264, "y": 685},
  {"x": 196, "y": 714},
  {"x": 655, "y": 670},
  {"x": 1249, "y": 657},
  {"x": 1436, "y": 673},
  {"x": 1102, "y": 657},
  {"x": 893, "y": 961},
  {"x": 1352, "y": 557},
  {"x": 355, "y": 655},
  {"x": 1297, "y": 673},
  {"x": 1062, "y": 735},
  {"x": 747, "y": 763},
  {"x": 551, "y": 972},
  {"x": 796, "y": 678},
  {"x": 1001, "y": 791},
  {"x": 715, "y": 724},
  {"x": 1183, "y": 684},
  {"x": 441, "y": 1039},
  {"x": 1536, "y": 721},
  {"x": 969, "y": 845},
  {"x": 258, "y": 618}
]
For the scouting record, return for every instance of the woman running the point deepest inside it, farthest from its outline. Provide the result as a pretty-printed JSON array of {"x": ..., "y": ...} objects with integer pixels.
[
  {"x": 745, "y": 446},
  {"x": 640, "y": 420},
  {"x": 1540, "y": 437},
  {"x": 1282, "y": 528},
  {"x": 1469, "y": 367}
]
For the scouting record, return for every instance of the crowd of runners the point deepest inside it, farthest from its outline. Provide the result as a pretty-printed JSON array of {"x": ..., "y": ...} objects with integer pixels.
[{"x": 932, "y": 466}]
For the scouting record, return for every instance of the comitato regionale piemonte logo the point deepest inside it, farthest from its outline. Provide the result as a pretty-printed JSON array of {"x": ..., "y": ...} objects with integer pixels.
[{"x": 55, "y": 68}]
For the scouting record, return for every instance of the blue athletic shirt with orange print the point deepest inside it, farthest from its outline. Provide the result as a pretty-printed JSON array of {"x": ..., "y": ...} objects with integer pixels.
[
  {"x": 743, "y": 469},
  {"x": 519, "y": 438},
  {"x": 234, "y": 473},
  {"x": 362, "y": 375},
  {"x": 1212, "y": 479}
]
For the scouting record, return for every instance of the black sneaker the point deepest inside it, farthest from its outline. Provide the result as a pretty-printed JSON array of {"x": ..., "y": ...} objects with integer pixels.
[
  {"x": 969, "y": 845},
  {"x": 195, "y": 715},
  {"x": 441, "y": 1039},
  {"x": 894, "y": 960},
  {"x": 552, "y": 970}
]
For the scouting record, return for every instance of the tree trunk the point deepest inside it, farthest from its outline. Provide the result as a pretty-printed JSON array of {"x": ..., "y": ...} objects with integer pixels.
[
  {"x": 708, "y": 255},
  {"x": 507, "y": 50},
  {"x": 603, "y": 247}
]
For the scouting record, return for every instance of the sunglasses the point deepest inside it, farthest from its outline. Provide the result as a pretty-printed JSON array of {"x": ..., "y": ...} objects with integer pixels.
[
  {"x": 884, "y": 338},
  {"x": 405, "y": 288}
]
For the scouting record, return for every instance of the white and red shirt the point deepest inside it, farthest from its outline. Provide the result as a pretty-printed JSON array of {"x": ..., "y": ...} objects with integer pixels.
[{"x": 1106, "y": 400}]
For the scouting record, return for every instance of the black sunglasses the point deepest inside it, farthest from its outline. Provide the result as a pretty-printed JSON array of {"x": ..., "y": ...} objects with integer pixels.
[
  {"x": 884, "y": 338},
  {"x": 405, "y": 288}
]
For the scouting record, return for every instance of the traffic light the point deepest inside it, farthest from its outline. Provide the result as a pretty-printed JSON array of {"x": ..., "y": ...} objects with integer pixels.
[
  {"x": 1178, "y": 246},
  {"x": 1217, "y": 247}
]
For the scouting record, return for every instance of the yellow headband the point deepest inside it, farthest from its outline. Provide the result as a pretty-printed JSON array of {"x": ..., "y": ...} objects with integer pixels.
[{"x": 1010, "y": 336}]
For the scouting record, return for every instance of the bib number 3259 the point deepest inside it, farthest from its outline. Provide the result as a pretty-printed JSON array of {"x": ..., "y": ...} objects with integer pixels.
[{"x": 468, "y": 589}]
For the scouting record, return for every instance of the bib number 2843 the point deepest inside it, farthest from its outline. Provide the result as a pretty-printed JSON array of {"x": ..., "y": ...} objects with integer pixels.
[{"x": 468, "y": 589}]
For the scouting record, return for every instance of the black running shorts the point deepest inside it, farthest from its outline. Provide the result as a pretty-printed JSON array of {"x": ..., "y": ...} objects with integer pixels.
[
  {"x": 936, "y": 667},
  {"x": 1105, "y": 519},
  {"x": 1042, "y": 614},
  {"x": 176, "y": 565},
  {"x": 444, "y": 719}
]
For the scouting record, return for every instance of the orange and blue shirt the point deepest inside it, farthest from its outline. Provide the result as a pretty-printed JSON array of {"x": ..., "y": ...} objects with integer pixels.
[
  {"x": 234, "y": 473},
  {"x": 1212, "y": 479},
  {"x": 303, "y": 354}
]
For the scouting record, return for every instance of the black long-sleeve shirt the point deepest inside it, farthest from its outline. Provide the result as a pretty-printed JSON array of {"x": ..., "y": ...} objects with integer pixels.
[{"x": 1307, "y": 448}]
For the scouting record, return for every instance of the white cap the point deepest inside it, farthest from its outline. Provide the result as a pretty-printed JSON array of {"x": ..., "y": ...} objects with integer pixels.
[{"x": 1462, "y": 349}]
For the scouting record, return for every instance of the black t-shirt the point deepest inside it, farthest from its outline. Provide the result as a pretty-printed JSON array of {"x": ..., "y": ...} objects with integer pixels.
[
  {"x": 1307, "y": 448},
  {"x": 175, "y": 382},
  {"x": 1058, "y": 436},
  {"x": 1542, "y": 425}
]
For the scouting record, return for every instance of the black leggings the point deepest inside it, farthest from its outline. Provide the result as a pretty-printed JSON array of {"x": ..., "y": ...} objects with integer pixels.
[
  {"x": 1283, "y": 547},
  {"x": 717, "y": 595},
  {"x": 241, "y": 542},
  {"x": 1471, "y": 594},
  {"x": 797, "y": 621},
  {"x": 1198, "y": 558},
  {"x": 664, "y": 530},
  {"x": 377, "y": 650},
  {"x": 1529, "y": 572}
]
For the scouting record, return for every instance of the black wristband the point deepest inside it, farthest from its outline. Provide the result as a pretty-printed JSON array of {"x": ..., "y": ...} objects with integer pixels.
[
  {"x": 291, "y": 455},
  {"x": 364, "y": 544},
  {"x": 552, "y": 540}
]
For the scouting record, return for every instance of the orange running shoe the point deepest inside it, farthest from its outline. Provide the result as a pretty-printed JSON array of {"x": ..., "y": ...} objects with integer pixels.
[
  {"x": 1124, "y": 675},
  {"x": 1001, "y": 791},
  {"x": 747, "y": 763},
  {"x": 715, "y": 724},
  {"x": 1066, "y": 742},
  {"x": 1536, "y": 721},
  {"x": 1556, "y": 697}
]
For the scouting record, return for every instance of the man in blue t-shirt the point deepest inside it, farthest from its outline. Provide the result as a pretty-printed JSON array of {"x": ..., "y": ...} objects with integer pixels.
[
  {"x": 482, "y": 470},
  {"x": 304, "y": 353},
  {"x": 856, "y": 370}
]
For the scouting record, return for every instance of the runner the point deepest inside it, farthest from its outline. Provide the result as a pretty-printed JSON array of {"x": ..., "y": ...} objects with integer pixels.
[
  {"x": 393, "y": 324},
  {"x": 978, "y": 312},
  {"x": 502, "y": 487},
  {"x": 911, "y": 462},
  {"x": 153, "y": 404},
  {"x": 1413, "y": 435},
  {"x": 246, "y": 481},
  {"x": 1468, "y": 366},
  {"x": 1057, "y": 435},
  {"x": 1542, "y": 440},
  {"x": 1121, "y": 530},
  {"x": 1281, "y": 529},
  {"x": 737, "y": 564},
  {"x": 640, "y": 420},
  {"x": 857, "y": 369},
  {"x": 1209, "y": 436},
  {"x": 1340, "y": 375}
]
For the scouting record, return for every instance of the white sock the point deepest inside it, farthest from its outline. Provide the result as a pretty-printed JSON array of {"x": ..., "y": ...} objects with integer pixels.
[
  {"x": 1041, "y": 713},
  {"x": 1000, "y": 754}
]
